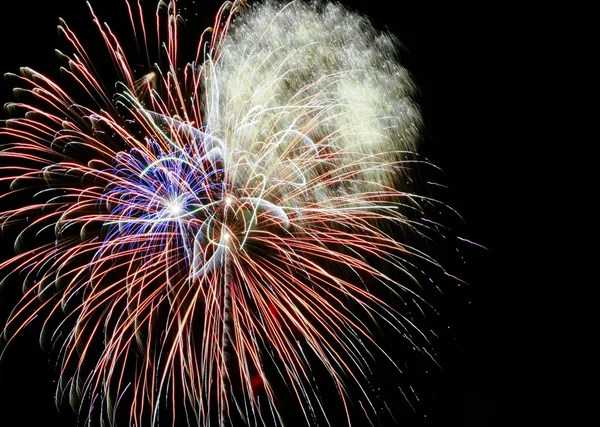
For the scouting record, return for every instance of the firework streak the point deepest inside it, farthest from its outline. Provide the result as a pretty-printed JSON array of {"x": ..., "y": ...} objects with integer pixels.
[{"x": 217, "y": 226}]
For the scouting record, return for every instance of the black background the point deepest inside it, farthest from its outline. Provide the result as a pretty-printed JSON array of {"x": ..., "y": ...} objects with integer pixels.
[{"x": 504, "y": 94}]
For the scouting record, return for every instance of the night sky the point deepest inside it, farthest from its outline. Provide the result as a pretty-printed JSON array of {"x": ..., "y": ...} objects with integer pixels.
[{"x": 503, "y": 90}]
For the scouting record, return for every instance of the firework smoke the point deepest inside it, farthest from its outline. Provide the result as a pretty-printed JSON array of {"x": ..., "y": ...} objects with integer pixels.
[{"x": 217, "y": 228}]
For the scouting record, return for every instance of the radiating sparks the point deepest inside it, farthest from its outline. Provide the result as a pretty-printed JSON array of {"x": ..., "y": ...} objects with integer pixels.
[{"x": 218, "y": 227}]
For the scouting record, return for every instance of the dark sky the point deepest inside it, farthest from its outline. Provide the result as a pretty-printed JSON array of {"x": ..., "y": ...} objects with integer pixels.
[{"x": 503, "y": 90}]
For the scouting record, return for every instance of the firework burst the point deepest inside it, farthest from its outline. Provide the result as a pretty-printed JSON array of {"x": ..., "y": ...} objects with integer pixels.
[{"x": 217, "y": 228}]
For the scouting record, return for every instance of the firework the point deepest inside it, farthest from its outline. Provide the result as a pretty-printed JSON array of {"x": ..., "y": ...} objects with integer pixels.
[{"x": 217, "y": 227}]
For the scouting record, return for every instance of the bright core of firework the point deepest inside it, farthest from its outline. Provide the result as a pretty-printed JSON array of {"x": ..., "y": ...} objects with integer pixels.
[
  {"x": 174, "y": 208},
  {"x": 219, "y": 227}
]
